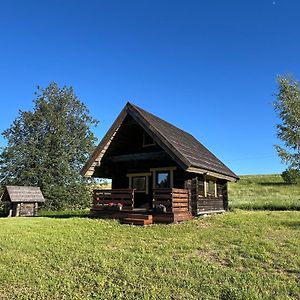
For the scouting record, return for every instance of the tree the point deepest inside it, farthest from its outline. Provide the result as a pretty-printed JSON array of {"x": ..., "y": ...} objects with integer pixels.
[
  {"x": 287, "y": 106},
  {"x": 47, "y": 147}
]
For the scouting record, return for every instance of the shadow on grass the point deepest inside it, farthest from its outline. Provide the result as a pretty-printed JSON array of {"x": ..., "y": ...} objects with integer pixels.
[
  {"x": 64, "y": 214},
  {"x": 292, "y": 224},
  {"x": 266, "y": 208},
  {"x": 274, "y": 183}
]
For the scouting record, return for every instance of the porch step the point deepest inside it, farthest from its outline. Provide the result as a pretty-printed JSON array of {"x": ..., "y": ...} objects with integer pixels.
[{"x": 138, "y": 219}]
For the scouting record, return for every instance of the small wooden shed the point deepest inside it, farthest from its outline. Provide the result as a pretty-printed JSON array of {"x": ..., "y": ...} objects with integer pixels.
[{"x": 23, "y": 200}]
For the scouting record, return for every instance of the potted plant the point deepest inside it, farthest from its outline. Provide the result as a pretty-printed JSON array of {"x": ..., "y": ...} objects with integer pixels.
[{"x": 114, "y": 206}]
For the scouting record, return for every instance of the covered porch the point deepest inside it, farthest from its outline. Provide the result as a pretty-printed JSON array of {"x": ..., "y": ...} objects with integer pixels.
[{"x": 168, "y": 205}]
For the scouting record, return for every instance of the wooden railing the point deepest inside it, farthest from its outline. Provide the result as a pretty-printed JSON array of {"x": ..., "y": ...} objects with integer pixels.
[
  {"x": 174, "y": 200},
  {"x": 102, "y": 199}
]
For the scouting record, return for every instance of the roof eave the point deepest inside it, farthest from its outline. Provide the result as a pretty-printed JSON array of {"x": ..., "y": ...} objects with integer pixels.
[
  {"x": 105, "y": 140},
  {"x": 212, "y": 173}
]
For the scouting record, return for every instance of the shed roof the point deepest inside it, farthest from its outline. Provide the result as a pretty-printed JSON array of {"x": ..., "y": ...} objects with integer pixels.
[
  {"x": 22, "y": 194},
  {"x": 186, "y": 150}
]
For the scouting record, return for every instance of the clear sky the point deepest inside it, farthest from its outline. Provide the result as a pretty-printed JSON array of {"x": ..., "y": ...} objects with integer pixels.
[{"x": 209, "y": 67}]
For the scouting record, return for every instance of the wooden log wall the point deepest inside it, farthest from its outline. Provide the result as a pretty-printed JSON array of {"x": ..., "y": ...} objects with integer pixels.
[
  {"x": 200, "y": 203},
  {"x": 101, "y": 198},
  {"x": 27, "y": 210},
  {"x": 24, "y": 209},
  {"x": 175, "y": 200}
]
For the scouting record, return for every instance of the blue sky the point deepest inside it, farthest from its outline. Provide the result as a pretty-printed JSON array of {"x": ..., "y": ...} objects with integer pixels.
[{"x": 208, "y": 67}]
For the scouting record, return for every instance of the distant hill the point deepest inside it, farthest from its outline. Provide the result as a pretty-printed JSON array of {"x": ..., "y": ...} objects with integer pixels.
[{"x": 268, "y": 192}]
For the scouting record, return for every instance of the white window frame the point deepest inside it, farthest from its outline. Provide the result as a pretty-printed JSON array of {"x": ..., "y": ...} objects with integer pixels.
[{"x": 206, "y": 180}]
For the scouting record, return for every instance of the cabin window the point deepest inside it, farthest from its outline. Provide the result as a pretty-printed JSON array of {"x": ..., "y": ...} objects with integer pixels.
[
  {"x": 211, "y": 188},
  {"x": 162, "y": 179},
  {"x": 147, "y": 140},
  {"x": 139, "y": 183}
]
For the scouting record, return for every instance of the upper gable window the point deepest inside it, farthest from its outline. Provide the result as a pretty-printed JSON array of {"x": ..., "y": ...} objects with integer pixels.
[{"x": 147, "y": 140}]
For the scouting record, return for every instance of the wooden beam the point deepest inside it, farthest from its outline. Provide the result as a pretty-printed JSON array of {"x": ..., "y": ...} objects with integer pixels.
[{"x": 137, "y": 157}]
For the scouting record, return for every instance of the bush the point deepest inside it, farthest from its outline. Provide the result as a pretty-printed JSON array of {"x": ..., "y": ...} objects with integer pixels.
[
  {"x": 291, "y": 176},
  {"x": 67, "y": 197},
  {"x": 4, "y": 209}
]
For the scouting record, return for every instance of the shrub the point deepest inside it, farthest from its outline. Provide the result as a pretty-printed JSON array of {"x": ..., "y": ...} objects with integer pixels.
[
  {"x": 291, "y": 176},
  {"x": 4, "y": 209}
]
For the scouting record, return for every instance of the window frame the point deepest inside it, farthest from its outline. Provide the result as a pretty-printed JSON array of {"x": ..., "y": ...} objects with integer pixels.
[
  {"x": 132, "y": 175},
  {"x": 163, "y": 169},
  {"x": 145, "y": 184},
  {"x": 144, "y": 144},
  {"x": 168, "y": 172},
  {"x": 206, "y": 184}
]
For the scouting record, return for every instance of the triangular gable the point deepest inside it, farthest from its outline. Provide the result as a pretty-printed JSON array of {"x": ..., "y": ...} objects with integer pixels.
[{"x": 182, "y": 147}]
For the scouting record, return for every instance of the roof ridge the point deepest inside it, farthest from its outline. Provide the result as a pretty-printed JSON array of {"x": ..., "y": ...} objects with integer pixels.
[{"x": 139, "y": 108}]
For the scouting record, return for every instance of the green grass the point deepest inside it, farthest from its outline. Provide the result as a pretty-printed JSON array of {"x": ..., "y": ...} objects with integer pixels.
[
  {"x": 236, "y": 255},
  {"x": 264, "y": 192}
]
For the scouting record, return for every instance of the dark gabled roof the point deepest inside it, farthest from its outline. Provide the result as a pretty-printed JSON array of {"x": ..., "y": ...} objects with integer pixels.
[
  {"x": 189, "y": 153},
  {"x": 22, "y": 194}
]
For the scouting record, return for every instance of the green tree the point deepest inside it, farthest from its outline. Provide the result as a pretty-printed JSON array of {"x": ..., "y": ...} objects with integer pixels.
[
  {"x": 287, "y": 106},
  {"x": 47, "y": 147}
]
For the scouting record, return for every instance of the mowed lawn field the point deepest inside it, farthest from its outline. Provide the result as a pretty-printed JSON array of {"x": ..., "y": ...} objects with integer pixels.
[
  {"x": 268, "y": 192},
  {"x": 236, "y": 255}
]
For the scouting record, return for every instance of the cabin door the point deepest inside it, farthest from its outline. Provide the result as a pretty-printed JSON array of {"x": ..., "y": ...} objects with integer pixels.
[{"x": 142, "y": 183}]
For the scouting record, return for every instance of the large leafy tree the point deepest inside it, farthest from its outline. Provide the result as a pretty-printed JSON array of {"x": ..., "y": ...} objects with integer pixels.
[
  {"x": 47, "y": 147},
  {"x": 287, "y": 105}
]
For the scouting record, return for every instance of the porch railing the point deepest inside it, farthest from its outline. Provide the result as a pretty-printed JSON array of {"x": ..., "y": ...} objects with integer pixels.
[
  {"x": 173, "y": 200},
  {"x": 105, "y": 198}
]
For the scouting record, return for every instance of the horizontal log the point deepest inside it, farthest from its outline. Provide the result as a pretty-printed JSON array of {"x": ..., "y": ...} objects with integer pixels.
[
  {"x": 186, "y": 199},
  {"x": 158, "y": 155},
  {"x": 182, "y": 196},
  {"x": 165, "y": 203},
  {"x": 162, "y": 196},
  {"x": 211, "y": 206},
  {"x": 180, "y": 209},
  {"x": 180, "y": 205},
  {"x": 116, "y": 196},
  {"x": 105, "y": 201},
  {"x": 210, "y": 203},
  {"x": 174, "y": 190},
  {"x": 114, "y": 191},
  {"x": 105, "y": 210},
  {"x": 162, "y": 190}
]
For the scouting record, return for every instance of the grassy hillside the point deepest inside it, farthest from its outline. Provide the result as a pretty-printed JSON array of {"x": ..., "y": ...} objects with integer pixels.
[
  {"x": 237, "y": 255},
  {"x": 264, "y": 192}
]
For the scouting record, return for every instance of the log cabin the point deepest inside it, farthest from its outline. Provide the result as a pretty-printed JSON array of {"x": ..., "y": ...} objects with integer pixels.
[
  {"x": 22, "y": 200},
  {"x": 159, "y": 173}
]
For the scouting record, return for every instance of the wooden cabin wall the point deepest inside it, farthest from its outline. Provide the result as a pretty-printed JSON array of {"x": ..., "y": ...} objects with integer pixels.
[
  {"x": 199, "y": 203},
  {"x": 24, "y": 209}
]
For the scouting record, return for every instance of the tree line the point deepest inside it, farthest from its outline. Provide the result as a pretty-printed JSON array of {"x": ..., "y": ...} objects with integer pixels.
[{"x": 48, "y": 146}]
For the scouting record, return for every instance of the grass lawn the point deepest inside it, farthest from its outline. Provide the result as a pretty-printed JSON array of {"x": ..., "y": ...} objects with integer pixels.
[
  {"x": 236, "y": 255},
  {"x": 268, "y": 192}
]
